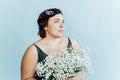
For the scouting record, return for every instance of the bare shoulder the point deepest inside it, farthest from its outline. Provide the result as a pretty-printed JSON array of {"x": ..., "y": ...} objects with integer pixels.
[
  {"x": 31, "y": 50},
  {"x": 74, "y": 42},
  {"x": 30, "y": 53}
]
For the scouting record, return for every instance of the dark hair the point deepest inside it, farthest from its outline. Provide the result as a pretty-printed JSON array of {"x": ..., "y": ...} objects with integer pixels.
[{"x": 43, "y": 19}]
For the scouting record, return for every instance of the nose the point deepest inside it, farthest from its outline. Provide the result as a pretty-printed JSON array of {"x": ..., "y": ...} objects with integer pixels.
[{"x": 62, "y": 25}]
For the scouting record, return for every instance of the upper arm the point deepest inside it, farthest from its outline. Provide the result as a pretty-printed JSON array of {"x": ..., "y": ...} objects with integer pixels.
[{"x": 29, "y": 62}]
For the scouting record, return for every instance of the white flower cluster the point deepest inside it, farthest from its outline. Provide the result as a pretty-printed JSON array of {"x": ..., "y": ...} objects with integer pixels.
[
  {"x": 49, "y": 12},
  {"x": 64, "y": 63}
]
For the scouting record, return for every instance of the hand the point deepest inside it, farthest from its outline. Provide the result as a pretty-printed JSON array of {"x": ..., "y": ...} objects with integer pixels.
[{"x": 75, "y": 76}]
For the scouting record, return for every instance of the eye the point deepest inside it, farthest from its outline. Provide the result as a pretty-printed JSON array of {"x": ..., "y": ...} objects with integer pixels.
[{"x": 56, "y": 21}]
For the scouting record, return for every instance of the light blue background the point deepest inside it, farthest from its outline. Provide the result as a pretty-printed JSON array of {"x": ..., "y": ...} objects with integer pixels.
[{"x": 95, "y": 23}]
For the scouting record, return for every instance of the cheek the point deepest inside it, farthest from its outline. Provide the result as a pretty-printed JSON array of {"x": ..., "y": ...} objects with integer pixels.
[{"x": 51, "y": 30}]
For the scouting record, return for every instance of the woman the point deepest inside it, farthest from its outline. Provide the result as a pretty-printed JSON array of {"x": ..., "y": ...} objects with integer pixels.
[{"x": 51, "y": 27}]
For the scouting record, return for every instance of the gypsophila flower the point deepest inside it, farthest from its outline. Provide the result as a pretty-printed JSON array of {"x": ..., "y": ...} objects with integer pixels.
[
  {"x": 64, "y": 63},
  {"x": 49, "y": 12}
]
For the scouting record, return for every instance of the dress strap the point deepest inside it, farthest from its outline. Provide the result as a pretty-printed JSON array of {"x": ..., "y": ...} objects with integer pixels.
[
  {"x": 69, "y": 43},
  {"x": 38, "y": 51},
  {"x": 41, "y": 54}
]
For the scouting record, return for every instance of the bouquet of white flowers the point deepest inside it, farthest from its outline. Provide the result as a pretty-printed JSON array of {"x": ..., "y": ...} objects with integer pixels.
[{"x": 62, "y": 64}]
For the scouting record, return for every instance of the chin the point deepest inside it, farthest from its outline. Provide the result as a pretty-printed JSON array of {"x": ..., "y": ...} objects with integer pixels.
[{"x": 59, "y": 36}]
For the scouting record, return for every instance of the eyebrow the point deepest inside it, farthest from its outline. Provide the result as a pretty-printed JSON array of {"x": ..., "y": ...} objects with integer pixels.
[{"x": 57, "y": 19}]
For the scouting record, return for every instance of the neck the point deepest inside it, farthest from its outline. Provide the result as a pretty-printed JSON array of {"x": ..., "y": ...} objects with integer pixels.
[{"x": 52, "y": 40}]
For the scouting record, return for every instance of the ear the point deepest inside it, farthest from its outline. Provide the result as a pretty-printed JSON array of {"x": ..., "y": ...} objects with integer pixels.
[{"x": 45, "y": 28}]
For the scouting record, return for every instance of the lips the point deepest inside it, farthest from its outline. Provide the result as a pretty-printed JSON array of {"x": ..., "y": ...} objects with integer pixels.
[{"x": 60, "y": 30}]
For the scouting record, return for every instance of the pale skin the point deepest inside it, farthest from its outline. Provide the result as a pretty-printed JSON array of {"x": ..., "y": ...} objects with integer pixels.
[{"x": 53, "y": 42}]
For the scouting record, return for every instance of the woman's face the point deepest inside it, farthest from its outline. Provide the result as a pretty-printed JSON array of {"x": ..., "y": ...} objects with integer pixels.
[{"x": 55, "y": 26}]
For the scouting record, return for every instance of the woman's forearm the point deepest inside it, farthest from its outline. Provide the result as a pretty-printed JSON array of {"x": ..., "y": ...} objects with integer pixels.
[{"x": 29, "y": 79}]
